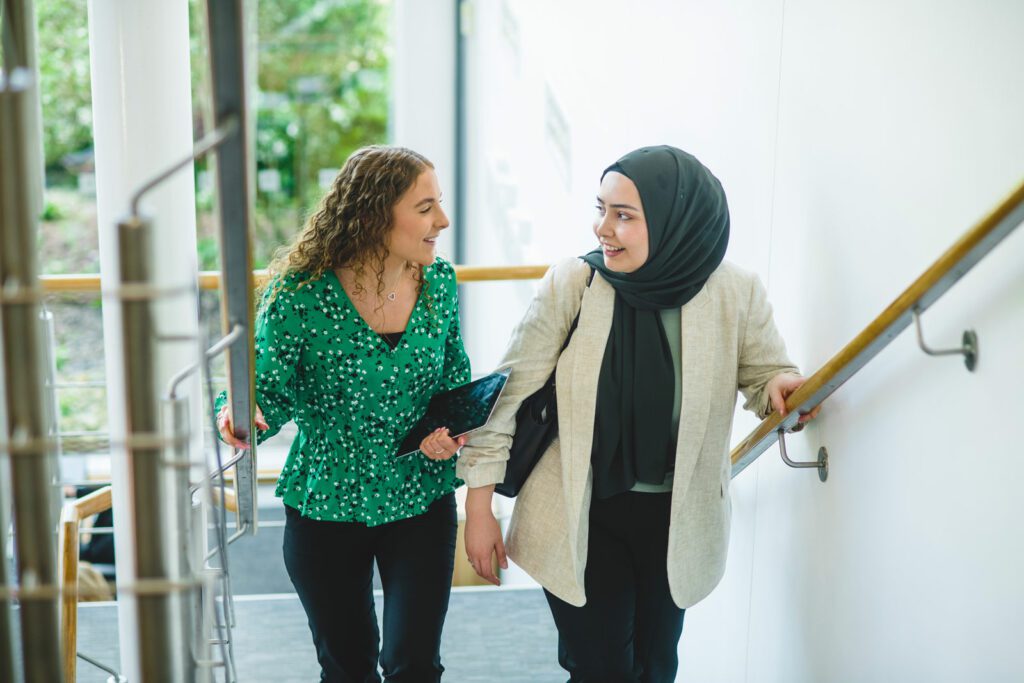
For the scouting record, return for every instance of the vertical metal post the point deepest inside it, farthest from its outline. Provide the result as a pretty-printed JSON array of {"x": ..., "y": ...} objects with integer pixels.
[
  {"x": 19, "y": 49},
  {"x": 176, "y": 427},
  {"x": 203, "y": 602},
  {"x": 31, "y": 467},
  {"x": 226, "y": 23},
  {"x": 6, "y": 626},
  {"x": 463, "y": 15},
  {"x": 156, "y": 630},
  {"x": 49, "y": 336}
]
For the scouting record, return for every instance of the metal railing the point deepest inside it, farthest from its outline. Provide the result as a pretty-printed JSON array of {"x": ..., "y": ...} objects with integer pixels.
[
  {"x": 155, "y": 443},
  {"x": 156, "y": 451}
]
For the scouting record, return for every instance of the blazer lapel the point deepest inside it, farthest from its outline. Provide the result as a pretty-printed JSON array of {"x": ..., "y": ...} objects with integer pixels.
[
  {"x": 584, "y": 369},
  {"x": 696, "y": 363}
]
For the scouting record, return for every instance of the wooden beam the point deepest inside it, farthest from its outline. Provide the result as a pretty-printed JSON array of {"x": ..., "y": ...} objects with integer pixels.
[
  {"x": 210, "y": 280},
  {"x": 96, "y": 502},
  {"x": 230, "y": 498},
  {"x": 69, "y": 525},
  {"x": 71, "y": 517}
]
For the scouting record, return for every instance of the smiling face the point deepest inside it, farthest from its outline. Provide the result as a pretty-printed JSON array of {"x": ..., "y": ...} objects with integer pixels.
[
  {"x": 620, "y": 225},
  {"x": 417, "y": 220}
]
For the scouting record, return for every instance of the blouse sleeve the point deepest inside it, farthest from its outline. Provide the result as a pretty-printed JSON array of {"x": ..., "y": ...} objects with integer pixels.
[
  {"x": 456, "y": 362},
  {"x": 279, "y": 344}
]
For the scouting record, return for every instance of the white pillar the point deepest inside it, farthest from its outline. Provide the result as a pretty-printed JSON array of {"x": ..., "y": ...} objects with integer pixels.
[
  {"x": 423, "y": 91},
  {"x": 142, "y": 122}
]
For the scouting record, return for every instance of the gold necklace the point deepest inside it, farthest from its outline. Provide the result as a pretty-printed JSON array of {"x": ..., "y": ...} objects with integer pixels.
[{"x": 391, "y": 295}]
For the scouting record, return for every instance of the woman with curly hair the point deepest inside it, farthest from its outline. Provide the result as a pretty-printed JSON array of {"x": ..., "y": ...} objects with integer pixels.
[{"x": 357, "y": 329}]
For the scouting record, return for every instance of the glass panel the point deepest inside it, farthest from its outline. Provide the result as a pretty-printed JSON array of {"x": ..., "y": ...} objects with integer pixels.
[{"x": 68, "y": 238}]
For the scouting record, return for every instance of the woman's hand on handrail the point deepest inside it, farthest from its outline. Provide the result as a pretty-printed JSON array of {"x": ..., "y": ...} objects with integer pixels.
[
  {"x": 227, "y": 431},
  {"x": 780, "y": 387}
]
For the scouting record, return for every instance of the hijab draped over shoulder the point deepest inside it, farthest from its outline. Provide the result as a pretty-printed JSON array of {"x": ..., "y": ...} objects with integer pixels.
[{"x": 688, "y": 231}]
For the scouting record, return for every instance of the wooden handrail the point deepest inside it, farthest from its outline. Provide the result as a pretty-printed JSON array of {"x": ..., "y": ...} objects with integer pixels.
[
  {"x": 230, "y": 498},
  {"x": 922, "y": 293},
  {"x": 93, "y": 504},
  {"x": 210, "y": 280},
  {"x": 71, "y": 517}
]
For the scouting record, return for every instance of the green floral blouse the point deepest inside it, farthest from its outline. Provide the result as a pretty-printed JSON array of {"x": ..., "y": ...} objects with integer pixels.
[{"x": 354, "y": 398}]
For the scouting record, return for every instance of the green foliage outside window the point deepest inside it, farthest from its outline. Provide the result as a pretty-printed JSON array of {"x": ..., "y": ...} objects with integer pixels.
[
  {"x": 63, "y": 56},
  {"x": 323, "y": 87}
]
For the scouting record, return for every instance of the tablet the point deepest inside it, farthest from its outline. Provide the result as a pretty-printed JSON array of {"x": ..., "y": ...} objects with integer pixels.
[{"x": 462, "y": 410}]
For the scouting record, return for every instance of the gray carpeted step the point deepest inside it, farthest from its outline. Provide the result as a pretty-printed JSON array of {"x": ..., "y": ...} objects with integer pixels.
[{"x": 490, "y": 635}]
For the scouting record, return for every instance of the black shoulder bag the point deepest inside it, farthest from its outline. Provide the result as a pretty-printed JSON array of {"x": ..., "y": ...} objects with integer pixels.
[{"x": 536, "y": 426}]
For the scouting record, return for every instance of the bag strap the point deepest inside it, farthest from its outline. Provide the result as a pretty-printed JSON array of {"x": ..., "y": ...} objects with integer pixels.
[{"x": 576, "y": 320}]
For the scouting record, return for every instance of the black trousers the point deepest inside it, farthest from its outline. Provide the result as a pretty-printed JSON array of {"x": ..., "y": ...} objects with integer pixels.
[
  {"x": 331, "y": 566},
  {"x": 629, "y": 629}
]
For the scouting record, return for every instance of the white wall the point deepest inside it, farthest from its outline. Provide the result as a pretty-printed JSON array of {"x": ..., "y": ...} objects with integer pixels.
[{"x": 856, "y": 140}]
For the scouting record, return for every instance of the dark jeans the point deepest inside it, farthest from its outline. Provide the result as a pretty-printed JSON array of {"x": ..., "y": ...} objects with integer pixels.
[
  {"x": 629, "y": 629},
  {"x": 331, "y": 566}
]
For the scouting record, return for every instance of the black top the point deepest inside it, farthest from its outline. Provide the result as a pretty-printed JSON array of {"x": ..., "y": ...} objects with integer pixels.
[{"x": 392, "y": 338}]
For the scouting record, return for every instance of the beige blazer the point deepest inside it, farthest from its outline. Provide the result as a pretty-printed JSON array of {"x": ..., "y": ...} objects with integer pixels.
[{"x": 729, "y": 342}]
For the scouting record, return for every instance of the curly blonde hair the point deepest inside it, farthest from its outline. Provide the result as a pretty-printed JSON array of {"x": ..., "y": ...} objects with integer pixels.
[{"x": 350, "y": 227}]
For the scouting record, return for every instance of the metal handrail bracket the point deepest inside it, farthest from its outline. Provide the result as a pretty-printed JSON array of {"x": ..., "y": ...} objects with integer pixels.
[
  {"x": 968, "y": 348},
  {"x": 821, "y": 464}
]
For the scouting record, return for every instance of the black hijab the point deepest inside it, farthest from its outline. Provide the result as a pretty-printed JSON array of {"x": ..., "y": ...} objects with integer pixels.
[{"x": 688, "y": 232}]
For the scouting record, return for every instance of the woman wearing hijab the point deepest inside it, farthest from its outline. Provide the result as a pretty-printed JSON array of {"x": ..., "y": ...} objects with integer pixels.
[{"x": 625, "y": 519}]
